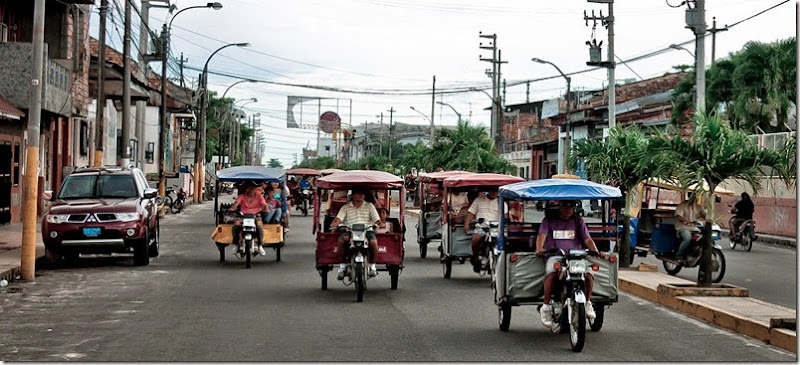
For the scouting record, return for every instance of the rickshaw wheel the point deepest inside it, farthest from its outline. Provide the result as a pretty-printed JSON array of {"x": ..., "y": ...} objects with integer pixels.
[
  {"x": 672, "y": 269},
  {"x": 597, "y": 323},
  {"x": 447, "y": 267},
  {"x": 324, "y": 275},
  {"x": 394, "y": 274},
  {"x": 221, "y": 248},
  {"x": 423, "y": 249},
  {"x": 504, "y": 317},
  {"x": 278, "y": 254}
]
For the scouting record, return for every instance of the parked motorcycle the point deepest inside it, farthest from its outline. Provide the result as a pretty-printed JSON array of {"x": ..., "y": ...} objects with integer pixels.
[
  {"x": 569, "y": 295},
  {"x": 179, "y": 203},
  {"x": 358, "y": 252},
  {"x": 695, "y": 251},
  {"x": 744, "y": 235}
]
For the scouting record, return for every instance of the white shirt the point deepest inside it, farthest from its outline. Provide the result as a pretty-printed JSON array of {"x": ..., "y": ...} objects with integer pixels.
[
  {"x": 458, "y": 201},
  {"x": 487, "y": 209}
]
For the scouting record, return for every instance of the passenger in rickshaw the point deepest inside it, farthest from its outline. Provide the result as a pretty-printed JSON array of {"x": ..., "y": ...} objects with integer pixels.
[
  {"x": 566, "y": 231},
  {"x": 486, "y": 207},
  {"x": 383, "y": 225},
  {"x": 459, "y": 203},
  {"x": 357, "y": 211},
  {"x": 251, "y": 202},
  {"x": 274, "y": 205}
]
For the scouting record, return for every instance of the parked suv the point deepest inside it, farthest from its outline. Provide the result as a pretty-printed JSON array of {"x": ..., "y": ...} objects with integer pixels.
[{"x": 102, "y": 210}]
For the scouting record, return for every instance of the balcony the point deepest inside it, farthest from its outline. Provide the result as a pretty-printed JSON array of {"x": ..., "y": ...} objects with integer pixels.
[{"x": 15, "y": 71}]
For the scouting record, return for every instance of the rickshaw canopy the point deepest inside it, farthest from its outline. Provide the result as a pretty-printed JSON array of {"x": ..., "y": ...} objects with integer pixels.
[
  {"x": 432, "y": 177},
  {"x": 480, "y": 179},
  {"x": 369, "y": 179},
  {"x": 250, "y": 173},
  {"x": 303, "y": 172},
  {"x": 559, "y": 189},
  {"x": 327, "y": 172}
]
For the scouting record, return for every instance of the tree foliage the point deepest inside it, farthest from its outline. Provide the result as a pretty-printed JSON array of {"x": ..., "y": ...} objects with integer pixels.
[{"x": 274, "y": 162}]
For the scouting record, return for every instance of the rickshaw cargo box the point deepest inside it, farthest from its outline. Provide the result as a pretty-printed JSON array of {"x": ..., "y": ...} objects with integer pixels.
[
  {"x": 461, "y": 242},
  {"x": 606, "y": 280},
  {"x": 664, "y": 238},
  {"x": 273, "y": 233},
  {"x": 527, "y": 272}
]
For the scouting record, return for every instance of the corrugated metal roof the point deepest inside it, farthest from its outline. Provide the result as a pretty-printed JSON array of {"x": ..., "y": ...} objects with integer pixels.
[{"x": 9, "y": 111}]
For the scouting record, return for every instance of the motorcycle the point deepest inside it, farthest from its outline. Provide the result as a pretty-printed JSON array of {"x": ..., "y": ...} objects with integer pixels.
[
  {"x": 358, "y": 252},
  {"x": 165, "y": 202},
  {"x": 487, "y": 254},
  {"x": 569, "y": 297},
  {"x": 744, "y": 235},
  {"x": 248, "y": 237},
  {"x": 302, "y": 199},
  {"x": 695, "y": 251},
  {"x": 177, "y": 206}
]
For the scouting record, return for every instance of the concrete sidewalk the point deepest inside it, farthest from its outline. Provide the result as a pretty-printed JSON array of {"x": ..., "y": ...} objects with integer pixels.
[{"x": 10, "y": 249}]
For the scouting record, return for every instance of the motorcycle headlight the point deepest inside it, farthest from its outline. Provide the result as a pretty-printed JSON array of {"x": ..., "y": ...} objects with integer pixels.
[
  {"x": 305, "y": 191},
  {"x": 494, "y": 232},
  {"x": 577, "y": 267},
  {"x": 57, "y": 218},
  {"x": 128, "y": 217}
]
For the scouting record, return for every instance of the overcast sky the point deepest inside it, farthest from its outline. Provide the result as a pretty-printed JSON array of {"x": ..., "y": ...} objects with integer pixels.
[{"x": 401, "y": 44}]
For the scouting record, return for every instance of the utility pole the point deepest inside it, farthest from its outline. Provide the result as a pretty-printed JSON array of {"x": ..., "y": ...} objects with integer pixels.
[
  {"x": 125, "y": 159},
  {"x": 499, "y": 140},
  {"x": 380, "y": 147},
  {"x": 696, "y": 18},
  {"x": 181, "y": 63},
  {"x": 714, "y": 31},
  {"x": 31, "y": 187},
  {"x": 391, "y": 140},
  {"x": 101, "y": 94},
  {"x": 493, "y": 74},
  {"x": 433, "y": 105},
  {"x": 141, "y": 105},
  {"x": 527, "y": 92},
  {"x": 594, "y": 55}
]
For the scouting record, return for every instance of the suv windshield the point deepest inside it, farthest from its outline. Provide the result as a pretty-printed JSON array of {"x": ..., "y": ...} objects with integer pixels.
[{"x": 98, "y": 186}]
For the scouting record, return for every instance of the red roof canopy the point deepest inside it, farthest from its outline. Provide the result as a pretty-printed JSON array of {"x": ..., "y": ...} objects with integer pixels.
[
  {"x": 442, "y": 175},
  {"x": 481, "y": 180},
  {"x": 304, "y": 172},
  {"x": 329, "y": 171},
  {"x": 368, "y": 179},
  {"x": 9, "y": 111}
]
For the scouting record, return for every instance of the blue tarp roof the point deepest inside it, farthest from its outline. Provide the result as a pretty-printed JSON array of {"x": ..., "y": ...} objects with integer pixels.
[
  {"x": 559, "y": 189},
  {"x": 251, "y": 173}
]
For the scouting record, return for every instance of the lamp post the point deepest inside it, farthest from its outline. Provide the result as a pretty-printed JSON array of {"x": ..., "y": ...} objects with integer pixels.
[
  {"x": 162, "y": 110},
  {"x": 227, "y": 125},
  {"x": 451, "y": 107},
  {"x": 429, "y": 121},
  {"x": 496, "y": 104},
  {"x": 200, "y": 146},
  {"x": 567, "y": 139},
  {"x": 675, "y": 46}
]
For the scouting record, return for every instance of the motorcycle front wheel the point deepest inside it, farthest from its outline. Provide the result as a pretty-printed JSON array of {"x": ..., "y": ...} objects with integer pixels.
[
  {"x": 359, "y": 276},
  {"x": 248, "y": 248},
  {"x": 577, "y": 325}
]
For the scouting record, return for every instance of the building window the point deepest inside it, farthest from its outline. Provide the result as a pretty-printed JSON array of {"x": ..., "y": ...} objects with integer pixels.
[
  {"x": 3, "y": 32},
  {"x": 148, "y": 154},
  {"x": 84, "y": 138},
  {"x": 16, "y": 163}
]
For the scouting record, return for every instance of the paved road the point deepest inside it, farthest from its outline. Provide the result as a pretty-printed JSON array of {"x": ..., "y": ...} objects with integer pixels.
[{"x": 187, "y": 306}]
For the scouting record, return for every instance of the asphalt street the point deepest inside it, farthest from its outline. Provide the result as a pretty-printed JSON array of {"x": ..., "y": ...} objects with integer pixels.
[{"x": 187, "y": 306}]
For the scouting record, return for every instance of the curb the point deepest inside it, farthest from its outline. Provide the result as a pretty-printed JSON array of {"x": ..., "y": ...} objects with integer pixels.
[
  {"x": 701, "y": 307},
  {"x": 12, "y": 273}
]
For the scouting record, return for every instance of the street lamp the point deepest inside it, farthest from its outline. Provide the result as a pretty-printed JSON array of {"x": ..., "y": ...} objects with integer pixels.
[
  {"x": 234, "y": 84},
  {"x": 429, "y": 121},
  {"x": 451, "y": 107},
  {"x": 200, "y": 147},
  {"x": 567, "y": 139},
  {"x": 162, "y": 110},
  {"x": 675, "y": 46},
  {"x": 495, "y": 103}
]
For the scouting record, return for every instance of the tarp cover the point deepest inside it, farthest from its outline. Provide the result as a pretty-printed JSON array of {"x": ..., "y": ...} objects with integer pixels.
[
  {"x": 250, "y": 173},
  {"x": 559, "y": 189},
  {"x": 526, "y": 276},
  {"x": 441, "y": 175},
  {"x": 464, "y": 180},
  {"x": 329, "y": 171},
  {"x": 304, "y": 172},
  {"x": 369, "y": 179}
]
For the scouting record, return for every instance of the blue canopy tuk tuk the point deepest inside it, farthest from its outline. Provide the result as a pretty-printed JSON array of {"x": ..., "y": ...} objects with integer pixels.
[
  {"x": 273, "y": 236},
  {"x": 519, "y": 276}
]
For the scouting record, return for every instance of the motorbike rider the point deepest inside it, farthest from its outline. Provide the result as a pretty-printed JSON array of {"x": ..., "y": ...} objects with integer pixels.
[
  {"x": 357, "y": 211},
  {"x": 743, "y": 211},
  {"x": 251, "y": 202},
  {"x": 687, "y": 213},
  {"x": 566, "y": 231},
  {"x": 485, "y": 207}
]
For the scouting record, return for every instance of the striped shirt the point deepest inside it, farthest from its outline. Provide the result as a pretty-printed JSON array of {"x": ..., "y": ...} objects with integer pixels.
[{"x": 366, "y": 214}]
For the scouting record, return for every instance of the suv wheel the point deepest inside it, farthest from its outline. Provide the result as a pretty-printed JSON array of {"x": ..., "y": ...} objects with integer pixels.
[
  {"x": 141, "y": 255},
  {"x": 154, "y": 248},
  {"x": 52, "y": 256}
]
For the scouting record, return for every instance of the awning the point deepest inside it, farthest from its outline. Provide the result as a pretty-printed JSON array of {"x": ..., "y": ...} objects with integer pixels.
[{"x": 9, "y": 111}]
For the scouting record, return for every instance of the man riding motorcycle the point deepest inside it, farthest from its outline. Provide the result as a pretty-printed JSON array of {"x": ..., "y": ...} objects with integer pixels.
[
  {"x": 485, "y": 207},
  {"x": 743, "y": 211},
  {"x": 565, "y": 231},
  {"x": 357, "y": 211},
  {"x": 251, "y": 202}
]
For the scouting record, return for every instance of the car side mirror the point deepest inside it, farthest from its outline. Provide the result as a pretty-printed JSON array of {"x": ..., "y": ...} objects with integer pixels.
[
  {"x": 150, "y": 193},
  {"x": 48, "y": 195}
]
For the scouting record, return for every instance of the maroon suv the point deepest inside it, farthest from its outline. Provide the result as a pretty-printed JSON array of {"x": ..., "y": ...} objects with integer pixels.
[{"x": 102, "y": 211}]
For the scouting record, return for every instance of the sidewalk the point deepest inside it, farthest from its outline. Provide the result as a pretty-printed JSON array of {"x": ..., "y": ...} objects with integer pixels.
[{"x": 10, "y": 249}]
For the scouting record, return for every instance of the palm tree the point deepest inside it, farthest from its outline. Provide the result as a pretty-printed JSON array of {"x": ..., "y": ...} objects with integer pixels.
[
  {"x": 467, "y": 148},
  {"x": 622, "y": 161},
  {"x": 716, "y": 152}
]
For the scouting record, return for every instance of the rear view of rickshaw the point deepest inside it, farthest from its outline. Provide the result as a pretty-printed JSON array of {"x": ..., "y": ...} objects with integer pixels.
[
  {"x": 520, "y": 275},
  {"x": 431, "y": 190},
  {"x": 273, "y": 232},
  {"x": 460, "y": 193},
  {"x": 390, "y": 248},
  {"x": 301, "y": 192}
]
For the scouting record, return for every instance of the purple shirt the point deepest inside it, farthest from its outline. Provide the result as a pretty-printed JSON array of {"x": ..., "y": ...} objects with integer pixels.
[{"x": 564, "y": 234}]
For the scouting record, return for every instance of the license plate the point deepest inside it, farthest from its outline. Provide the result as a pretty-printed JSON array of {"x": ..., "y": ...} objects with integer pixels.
[{"x": 91, "y": 232}]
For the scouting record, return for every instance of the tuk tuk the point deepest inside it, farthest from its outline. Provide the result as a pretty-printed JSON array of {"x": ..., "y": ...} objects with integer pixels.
[
  {"x": 653, "y": 225},
  {"x": 456, "y": 243},
  {"x": 274, "y": 233},
  {"x": 301, "y": 196},
  {"x": 520, "y": 272},
  {"x": 429, "y": 224},
  {"x": 391, "y": 250}
]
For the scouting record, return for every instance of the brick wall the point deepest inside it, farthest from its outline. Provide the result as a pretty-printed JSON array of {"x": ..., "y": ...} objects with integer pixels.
[
  {"x": 638, "y": 89},
  {"x": 528, "y": 128}
]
